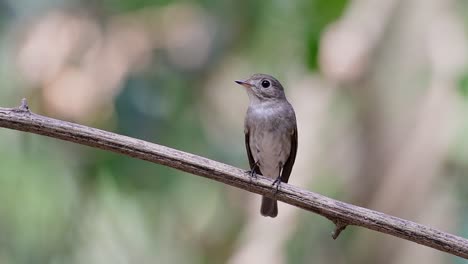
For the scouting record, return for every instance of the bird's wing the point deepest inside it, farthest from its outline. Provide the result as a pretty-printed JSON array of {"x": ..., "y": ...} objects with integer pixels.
[
  {"x": 249, "y": 152},
  {"x": 287, "y": 168}
]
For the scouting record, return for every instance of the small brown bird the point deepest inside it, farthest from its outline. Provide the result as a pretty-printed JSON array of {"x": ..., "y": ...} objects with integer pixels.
[{"x": 270, "y": 133}]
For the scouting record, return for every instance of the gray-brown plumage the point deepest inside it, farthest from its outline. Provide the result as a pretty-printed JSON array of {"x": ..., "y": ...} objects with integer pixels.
[{"x": 270, "y": 133}]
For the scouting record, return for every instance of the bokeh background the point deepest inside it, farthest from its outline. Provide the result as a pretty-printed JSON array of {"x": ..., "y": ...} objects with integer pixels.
[{"x": 380, "y": 89}]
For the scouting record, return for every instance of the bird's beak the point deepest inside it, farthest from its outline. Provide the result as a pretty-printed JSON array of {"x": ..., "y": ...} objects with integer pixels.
[{"x": 246, "y": 84}]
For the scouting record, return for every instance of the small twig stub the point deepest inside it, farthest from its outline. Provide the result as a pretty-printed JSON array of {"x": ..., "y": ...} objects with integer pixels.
[
  {"x": 24, "y": 107},
  {"x": 339, "y": 226}
]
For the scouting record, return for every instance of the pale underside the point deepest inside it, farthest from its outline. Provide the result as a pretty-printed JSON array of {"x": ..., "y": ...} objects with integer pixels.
[{"x": 270, "y": 137}]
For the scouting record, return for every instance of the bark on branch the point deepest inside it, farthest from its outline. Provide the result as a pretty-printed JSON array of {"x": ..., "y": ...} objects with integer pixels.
[{"x": 340, "y": 213}]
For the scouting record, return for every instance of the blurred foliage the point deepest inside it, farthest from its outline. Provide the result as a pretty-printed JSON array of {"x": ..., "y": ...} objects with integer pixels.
[
  {"x": 463, "y": 86},
  {"x": 125, "y": 5},
  {"x": 64, "y": 203},
  {"x": 320, "y": 13}
]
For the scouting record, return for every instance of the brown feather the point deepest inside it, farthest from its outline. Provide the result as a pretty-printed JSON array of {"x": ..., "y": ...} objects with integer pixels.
[{"x": 287, "y": 168}]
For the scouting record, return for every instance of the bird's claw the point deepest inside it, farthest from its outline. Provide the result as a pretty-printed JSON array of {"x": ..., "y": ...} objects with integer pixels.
[
  {"x": 277, "y": 182},
  {"x": 251, "y": 173}
]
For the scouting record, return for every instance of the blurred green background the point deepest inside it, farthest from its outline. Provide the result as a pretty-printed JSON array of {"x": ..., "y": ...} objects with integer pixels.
[{"x": 380, "y": 89}]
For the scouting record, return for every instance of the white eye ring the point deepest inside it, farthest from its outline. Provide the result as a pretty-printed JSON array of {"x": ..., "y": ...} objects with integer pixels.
[{"x": 265, "y": 84}]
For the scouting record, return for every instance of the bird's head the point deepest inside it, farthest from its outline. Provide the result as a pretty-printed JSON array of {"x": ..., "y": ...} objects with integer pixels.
[{"x": 263, "y": 87}]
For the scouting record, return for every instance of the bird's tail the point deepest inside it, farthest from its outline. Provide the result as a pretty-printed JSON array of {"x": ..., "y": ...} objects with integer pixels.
[{"x": 269, "y": 207}]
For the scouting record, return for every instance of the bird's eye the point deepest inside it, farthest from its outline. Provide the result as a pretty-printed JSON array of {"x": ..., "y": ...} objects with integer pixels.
[{"x": 265, "y": 84}]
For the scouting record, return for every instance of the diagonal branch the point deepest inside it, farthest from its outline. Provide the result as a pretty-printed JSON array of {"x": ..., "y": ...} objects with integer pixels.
[{"x": 342, "y": 214}]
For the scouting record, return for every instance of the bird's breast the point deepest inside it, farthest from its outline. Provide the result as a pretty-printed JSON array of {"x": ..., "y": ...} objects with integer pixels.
[
  {"x": 271, "y": 149},
  {"x": 270, "y": 129}
]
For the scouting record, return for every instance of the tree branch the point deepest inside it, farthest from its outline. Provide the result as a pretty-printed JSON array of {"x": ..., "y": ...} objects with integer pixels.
[{"x": 342, "y": 214}]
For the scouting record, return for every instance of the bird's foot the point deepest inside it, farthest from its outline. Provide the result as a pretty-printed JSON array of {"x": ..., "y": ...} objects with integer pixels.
[
  {"x": 252, "y": 174},
  {"x": 277, "y": 182}
]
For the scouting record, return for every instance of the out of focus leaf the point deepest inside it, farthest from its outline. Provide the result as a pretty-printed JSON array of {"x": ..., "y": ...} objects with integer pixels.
[
  {"x": 463, "y": 86},
  {"x": 129, "y": 5},
  {"x": 320, "y": 13}
]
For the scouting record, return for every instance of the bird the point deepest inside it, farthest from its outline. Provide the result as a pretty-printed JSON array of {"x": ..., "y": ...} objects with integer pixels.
[{"x": 270, "y": 130}]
